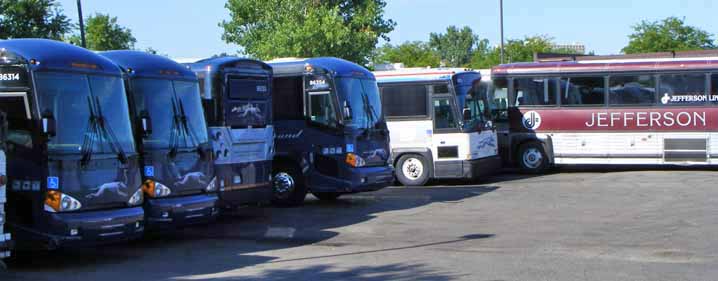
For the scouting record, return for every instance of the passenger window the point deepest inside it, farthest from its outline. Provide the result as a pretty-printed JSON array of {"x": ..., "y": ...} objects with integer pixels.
[
  {"x": 531, "y": 91},
  {"x": 499, "y": 101},
  {"x": 443, "y": 114},
  {"x": 582, "y": 91},
  {"x": 632, "y": 90},
  {"x": 322, "y": 109},
  {"x": 402, "y": 101},
  {"x": 683, "y": 89},
  {"x": 441, "y": 89},
  {"x": 714, "y": 88}
]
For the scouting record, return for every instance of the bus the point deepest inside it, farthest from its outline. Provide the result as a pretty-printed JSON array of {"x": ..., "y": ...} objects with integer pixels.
[
  {"x": 331, "y": 135},
  {"x": 649, "y": 109},
  {"x": 237, "y": 99},
  {"x": 72, "y": 167},
  {"x": 171, "y": 133},
  {"x": 5, "y": 243},
  {"x": 440, "y": 124}
]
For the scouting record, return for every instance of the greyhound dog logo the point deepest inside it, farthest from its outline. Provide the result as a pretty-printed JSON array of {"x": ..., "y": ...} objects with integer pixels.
[
  {"x": 531, "y": 120},
  {"x": 486, "y": 142},
  {"x": 248, "y": 111}
]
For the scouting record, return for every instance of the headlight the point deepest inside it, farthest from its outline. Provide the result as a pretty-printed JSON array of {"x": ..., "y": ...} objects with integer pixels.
[
  {"x": 156, "y": 189},
  {"x": 355, "y": 160},
  {"x": 136, "y": 198},
  {"x": 56, "y": 201},
  {"x": 212, "y": 186}
]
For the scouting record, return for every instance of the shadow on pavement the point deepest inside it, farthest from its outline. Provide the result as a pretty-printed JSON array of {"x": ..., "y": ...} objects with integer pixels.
[
  {"x": 236, "y": 241},
  {"x": 398, "y": 272}
]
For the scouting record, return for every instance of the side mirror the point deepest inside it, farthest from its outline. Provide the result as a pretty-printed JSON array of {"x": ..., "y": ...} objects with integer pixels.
[
  {"x": 347, "y": 111},
  {"x": 467, "y": 114},
  {"x": 146, "y": 123},
  {"x": 49, "y": 126}
]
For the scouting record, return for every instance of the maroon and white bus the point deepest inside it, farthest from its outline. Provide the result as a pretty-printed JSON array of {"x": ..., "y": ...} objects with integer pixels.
[{"x": 646, "y": 109}]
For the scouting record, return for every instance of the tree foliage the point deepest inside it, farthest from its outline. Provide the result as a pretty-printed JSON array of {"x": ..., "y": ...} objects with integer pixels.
[
  {"x": 268, "y": 29},
  {"x": 411, "y": 54},
  {"x": 456, "y": 46},
  {"x": 32, "y": 19},
  {"x": 103, "y": 33},
  {"x": 670, "y": 34}
]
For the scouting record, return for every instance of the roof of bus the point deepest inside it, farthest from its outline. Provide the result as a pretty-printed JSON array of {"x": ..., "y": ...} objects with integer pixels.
[
  {"x": 142, "y": 64},
  {"x": 219, "y": 63},
  {"x": 338, "y": 67},
  {"x": 56, "y": 55},
  {"x": 646, "y": 65},
  {"x": 420, "y": 74}
]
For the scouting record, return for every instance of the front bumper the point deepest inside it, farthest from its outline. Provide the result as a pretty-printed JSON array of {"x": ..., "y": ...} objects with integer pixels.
[
  {"x": 477, "y": 168},
  {"x": 359, "y": 180},
  {"x": 168, "y": 213},
  {"x": 248, "y": 194},
  {"x": 61, "y": 230}
]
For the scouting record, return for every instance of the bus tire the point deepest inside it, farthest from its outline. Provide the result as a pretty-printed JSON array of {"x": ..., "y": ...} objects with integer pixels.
[
  {"x": 412, "y": 170},
  {"x": 532, "y": 158},
  {"x": 288, "y": 186},
  {"x": 327, "y": 196}
]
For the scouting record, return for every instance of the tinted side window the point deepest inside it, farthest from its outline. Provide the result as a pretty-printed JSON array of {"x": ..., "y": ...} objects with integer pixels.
[
  {"x": 579, "y": 91},
  {"x": 714, "y": 88},
  {"x": 440, "y": 89},
  {"x": 499, "y": 100},
  {"x": 530, "y": 91},
  {"x": 632, "y": 89},
  {"x": 288, "y": 98},
  {"x": 404, "y": 101},
  {"x": 683, "y": 88},
  {"x": 443, "y": 114}
]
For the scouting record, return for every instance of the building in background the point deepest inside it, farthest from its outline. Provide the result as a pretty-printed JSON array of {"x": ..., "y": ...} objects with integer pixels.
[{"x": 577, "y": 48}]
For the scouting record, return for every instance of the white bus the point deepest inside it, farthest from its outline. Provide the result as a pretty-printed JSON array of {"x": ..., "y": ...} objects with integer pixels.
[
  {"x": 657, "y": 109},
  {"x": 439, "y": 123}
]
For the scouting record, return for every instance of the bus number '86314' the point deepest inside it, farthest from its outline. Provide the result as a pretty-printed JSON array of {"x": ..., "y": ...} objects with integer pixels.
[{"x": 9, "y": 76}]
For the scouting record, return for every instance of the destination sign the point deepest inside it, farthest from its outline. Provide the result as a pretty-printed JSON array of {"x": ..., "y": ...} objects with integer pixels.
[
  {"x": 13, "y": 76},
  {"x": 317, "y": 83}
]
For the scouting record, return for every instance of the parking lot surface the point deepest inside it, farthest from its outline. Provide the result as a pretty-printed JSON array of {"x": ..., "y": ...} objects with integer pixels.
[{"x": 574, "y": 225}]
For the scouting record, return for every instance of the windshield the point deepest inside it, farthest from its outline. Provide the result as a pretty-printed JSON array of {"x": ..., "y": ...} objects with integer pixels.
[
  {"x": 471, "y": 98},
  {"x": 66, "y": 97},
  {"x": 166, "y": 101},
  {"x": 362, "y": 98}
]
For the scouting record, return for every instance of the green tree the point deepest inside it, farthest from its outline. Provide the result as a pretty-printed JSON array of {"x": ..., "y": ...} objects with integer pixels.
[
  {"x": 516, "y": 50},
  {"x": 32, "y": 19},
  {"x": 411, "y": 54},
  {"x": 456, "y": 46},
  {"x": 104, "y": 33},
  {"x": 670, "y": 34},
  {"x": 268, "y": 29}
]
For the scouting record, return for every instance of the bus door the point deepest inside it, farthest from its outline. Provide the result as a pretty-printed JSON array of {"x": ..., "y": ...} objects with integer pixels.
[
  {"x": 4, "y": 238},
  {"x": 447, "y": 140}
]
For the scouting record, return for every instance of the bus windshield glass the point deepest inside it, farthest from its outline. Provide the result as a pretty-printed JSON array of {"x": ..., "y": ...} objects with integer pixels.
[
  {"x": 169, "y": 105},
  {"x": 72, "y": 99},
  {"x": 471, "y": 97},
  {"x": 362, "y": 98}
]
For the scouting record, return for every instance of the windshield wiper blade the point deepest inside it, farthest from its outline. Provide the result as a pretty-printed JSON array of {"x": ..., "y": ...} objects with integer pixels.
[{"x": 88, "y": 142}]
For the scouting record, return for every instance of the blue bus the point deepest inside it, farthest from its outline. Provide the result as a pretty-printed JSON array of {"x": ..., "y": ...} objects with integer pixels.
[
  {"x": 331, "y": 135},
  {"x": 237, "y": 97},
  {"x": 73, "y": 170},
  {"x": 5, "y": 243},
  {"x": 171, "y": 133}
]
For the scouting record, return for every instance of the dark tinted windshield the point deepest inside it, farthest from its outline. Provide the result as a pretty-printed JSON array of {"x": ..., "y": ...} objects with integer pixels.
[
  {"x": 362, "y": 96},
  {"x": 164, "y": 100},
  {"x": 66, "y": 97}
]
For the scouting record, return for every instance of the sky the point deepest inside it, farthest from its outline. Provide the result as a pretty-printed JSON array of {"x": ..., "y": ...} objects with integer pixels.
[{"x": 189, "y": 29}]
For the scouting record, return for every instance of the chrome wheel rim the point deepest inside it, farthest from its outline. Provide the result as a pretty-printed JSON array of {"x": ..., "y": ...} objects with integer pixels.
[
  {"x": 283, "y": 184},
  {"x": 412, "y": 168},
  {"x": 532, "y": 158}
]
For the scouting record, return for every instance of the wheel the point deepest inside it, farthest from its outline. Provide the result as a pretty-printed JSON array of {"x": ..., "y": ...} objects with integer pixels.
[
  {"x": 288, "y": 184},
  {"x": 327, "y": 196},
  {"x": 532, "y": 158},
  {"x": 412, "y": 170}
]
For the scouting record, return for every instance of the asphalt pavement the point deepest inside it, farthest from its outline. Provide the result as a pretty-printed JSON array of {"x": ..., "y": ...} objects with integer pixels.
[{"x": 573, "y": 225}]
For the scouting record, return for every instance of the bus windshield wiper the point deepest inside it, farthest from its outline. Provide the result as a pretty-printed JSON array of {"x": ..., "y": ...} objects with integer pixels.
[
  {"x": 99, "y": 128},
  {"x": 181, "y": 128}
]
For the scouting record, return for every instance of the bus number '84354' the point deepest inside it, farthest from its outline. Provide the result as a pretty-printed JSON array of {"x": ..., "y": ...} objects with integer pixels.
[{"x": 9, "y": 76}]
